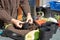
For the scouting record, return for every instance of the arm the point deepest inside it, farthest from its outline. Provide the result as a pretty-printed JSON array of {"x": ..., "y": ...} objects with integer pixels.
[
  {"x": 26, "y": 8},
  {"x": 5, "y": 16}
]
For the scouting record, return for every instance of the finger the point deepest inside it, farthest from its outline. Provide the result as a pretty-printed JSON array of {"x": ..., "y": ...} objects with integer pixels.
[
  {"x": 31, "y": 22},
  {"x": 27, "y": 20},
  {"x": 20, "y": 26},
  {"x": 21, "y": 22}
]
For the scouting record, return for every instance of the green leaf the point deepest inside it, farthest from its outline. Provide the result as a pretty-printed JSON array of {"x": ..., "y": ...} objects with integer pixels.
[{"x": 36, "y": 36}]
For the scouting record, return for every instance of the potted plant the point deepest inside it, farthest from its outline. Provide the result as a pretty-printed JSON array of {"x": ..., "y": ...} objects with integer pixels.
[{"x": 58, "y": 19}]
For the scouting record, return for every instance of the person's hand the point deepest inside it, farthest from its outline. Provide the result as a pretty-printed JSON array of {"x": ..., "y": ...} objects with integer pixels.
[
  {"x": 17, "y": 23},
  {"x": 29, "y": 19}
]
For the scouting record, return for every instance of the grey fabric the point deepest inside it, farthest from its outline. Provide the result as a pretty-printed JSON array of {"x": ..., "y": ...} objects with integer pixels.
[
  {"x": 5, "y": 38},
  {"x": 56, "y": 36}
]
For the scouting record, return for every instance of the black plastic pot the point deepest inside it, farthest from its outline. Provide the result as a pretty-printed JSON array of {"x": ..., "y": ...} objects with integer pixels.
[
  {"x": 47, "y": 30},
  {"x": 45, "y": 33},
  {"x": 54, "y": 27}
]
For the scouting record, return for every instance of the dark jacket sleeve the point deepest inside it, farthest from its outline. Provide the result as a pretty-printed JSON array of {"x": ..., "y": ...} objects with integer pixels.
[
  {"x": 25, "y": 6},
  {"x": 4, "y": 16}
]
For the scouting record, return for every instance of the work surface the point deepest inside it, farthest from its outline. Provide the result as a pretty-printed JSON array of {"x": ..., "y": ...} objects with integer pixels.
[{"x": 54, "y": 37}]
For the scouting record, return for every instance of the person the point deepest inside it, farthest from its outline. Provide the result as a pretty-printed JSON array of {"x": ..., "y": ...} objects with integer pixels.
[
  {"x": 33, "y": 8},
  {"x": 8, "y": 13}
]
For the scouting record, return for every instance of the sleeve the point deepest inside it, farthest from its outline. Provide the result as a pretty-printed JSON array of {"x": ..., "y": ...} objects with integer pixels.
[
  {"x": 25, "y": 6},
  {"x": 5, "y": 16}
]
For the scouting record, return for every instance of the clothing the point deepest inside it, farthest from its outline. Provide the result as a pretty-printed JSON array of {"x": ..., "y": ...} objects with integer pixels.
[
  {"x": 5, "y": 38},
  {"x": 57, "y": 35},
  {"x": 8, "y": 9},
  {"x": 32, "y": 4}
]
